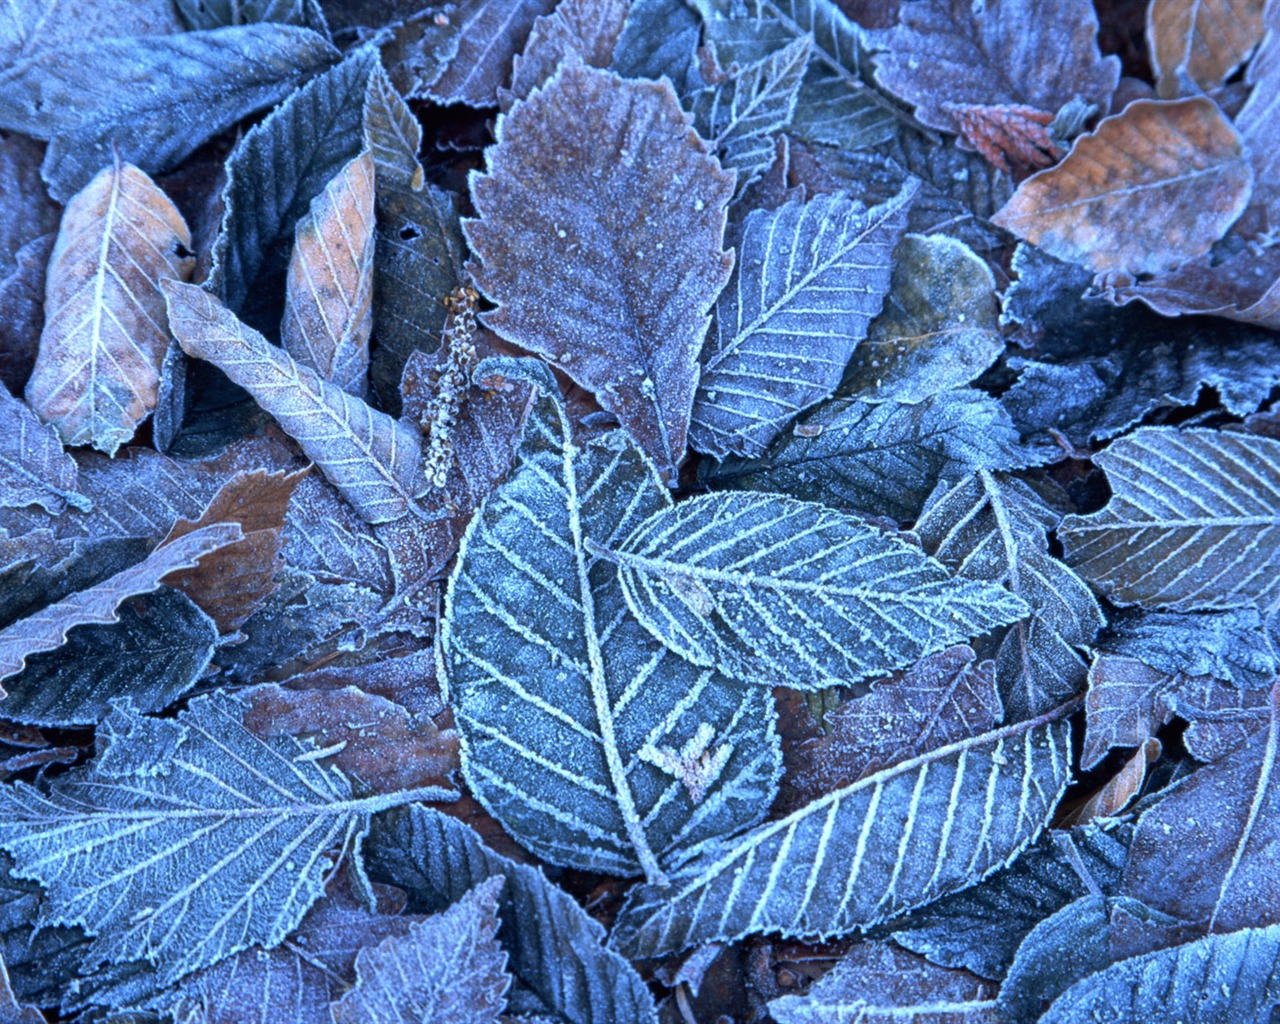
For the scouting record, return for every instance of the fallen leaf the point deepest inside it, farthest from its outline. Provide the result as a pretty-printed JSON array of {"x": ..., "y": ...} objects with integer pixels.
[
  {"x": 34, "y": 470},
  {"x": 587, "y": 28},
  {"x": 1149, "y": 189},
  {"x": 1195, "y": 45},
  {"x": 29, "y": 212},
  {"x": 1119, "y": 791},
  {"x": 98, "y": 370},
  {"x": 22, "y": 298},
  {"x": 581, "y": 227}
]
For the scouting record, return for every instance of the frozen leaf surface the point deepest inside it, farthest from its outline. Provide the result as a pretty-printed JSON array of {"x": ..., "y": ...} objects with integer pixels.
[
  {"x": 444, "y": 969},
  {"x": 88, "y": 95},
  {"x": 810, "y": 278},
  {"x": 556, "y": 950},
  {"x": 328, "y": 306},
  {"x": 34, "y": 470},
  {"x": 98, "y": 371},
  {"x": 892, "y": 841},
  {"x": 481, "y": 39},
  {"x": 946, "y": 55},
  {"x": 564, "y": 702},
  {"x": 217, "y": 843},
  {"x": 1195, "y": 46},
  {"x": 1152, "y": 187},
  {"x": 779, "y": 591},
  {"x": 1230, "y": 645},
  {"x": 596, "y": 259},
  {"x": 587, "y": 28},
  {"x": 374, "y": 460},
  {"x": 1192, "y": 523}
]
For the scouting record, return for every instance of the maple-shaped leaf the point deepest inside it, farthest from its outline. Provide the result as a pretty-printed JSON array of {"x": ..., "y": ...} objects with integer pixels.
[
  {"x": 890, "y": 842},
  {"x": 88, "y": 95},
  {"x": 196, "y": 851},
  {"x": 34, "y": 470},
  {"x": 881, "y": 458},
  {"x": 556, "y": 949},
  {"x": 943, "y": 698},
  {"x": 596, "y": 258},
  {"x": 776, "y": 591},
  {"x": 565, "y": 704},
  {"x": 946, "y": 54},
  {"x": 46, "y": 630},
  {"x": 98, "y": 372},
  {"x": 994, "y": 528},
  {"x": 1195, "y": 47},
  {"x": 875, "y": 983},
  {"x": 939, "y": 328},
  {"x": 588, "y": 28},
  {"x": 982, "y": 927},
  {"x": 811, "y": 277},
  {"x": 1150, "y": 188},
  {"x": 328, "y": 304},
  {"x": 1232, "y": 976},
  {"x": 1191, "y": 525},
  {"x": 446, "y": 968},
  {"x": 374, "y": 460}
]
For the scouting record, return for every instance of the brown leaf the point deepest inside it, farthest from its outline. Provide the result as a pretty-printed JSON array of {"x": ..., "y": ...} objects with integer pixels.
[
  {"x": 1119, "y": 791},
  {"x": 392, "y": 135},
  {"x": 98, "y": 369},
  {"x": 1016, "y": 133},
  {"x": 46, "y": 630},
  {"x": 1196, "y": 44},
  {"x": 34, "y": 470},
  {"x": 599, "y": 237},
  {"x": 230, "y": 584},
  {"x": 949, "y": 54},
  {"x": 1206, "y": 853},
  {"x": 379, "y": 744},
  {"x": 328, "y": 304},
  {"x": 1125, "y": 705},
  {"x": 1152, "y": 187},
  {"x": 588, "y": 28},
  {"x": 407, "y": 678}
]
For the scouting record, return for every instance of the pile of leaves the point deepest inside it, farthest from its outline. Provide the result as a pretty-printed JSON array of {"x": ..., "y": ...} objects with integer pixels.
[{"x": 633, "y": 510}]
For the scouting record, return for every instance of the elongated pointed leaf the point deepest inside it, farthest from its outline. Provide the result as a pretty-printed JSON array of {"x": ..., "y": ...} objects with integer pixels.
[
  {"x": 94, "y": 93},
  {"x": 1193, "y": 522},
  {"x": 202, "y": 848},
  {"x": 576, "y": 724},
  {"x": 375, "y": 461},
  {"x": 890, "y": 842},
  {"x": 392, "y": 135},
  {"x": 34, "y": 470},
  {"x": 785, "y": 592},
  {"x": 601, "y": 221},
  {"x": 98, "y": 372},
  {"x": 810, "y": 279},
  {"x": 995, "y": 528}
]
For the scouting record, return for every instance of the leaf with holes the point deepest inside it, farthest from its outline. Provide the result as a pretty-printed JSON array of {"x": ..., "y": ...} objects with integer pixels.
[
  {"x": 571, "y": 715},
  {"x": 1192, "y": 523}
]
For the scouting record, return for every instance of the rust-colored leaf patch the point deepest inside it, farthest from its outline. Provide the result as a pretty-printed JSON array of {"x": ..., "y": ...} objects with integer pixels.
[{"x": 1196, "y": 44}]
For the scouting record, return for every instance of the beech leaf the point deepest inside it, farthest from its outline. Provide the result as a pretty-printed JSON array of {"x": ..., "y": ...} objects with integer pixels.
[
  {"x": 375, "y": 461},
  {"x": 1191, "y": 525},
  {"x": 581, "y": 227},
  {"x": 783, "y": 592},
  {"x": 328, "y": 304},
  {"x": 1196, "y": 46},
  {"x": 34, "y": 470},
  {"x": 98, "y": 372},
  {"x": 1150, "y": 188}
]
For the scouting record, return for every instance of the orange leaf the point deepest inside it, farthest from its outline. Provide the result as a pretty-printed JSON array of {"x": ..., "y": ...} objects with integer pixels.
[{"x": 1196, "y": 44}]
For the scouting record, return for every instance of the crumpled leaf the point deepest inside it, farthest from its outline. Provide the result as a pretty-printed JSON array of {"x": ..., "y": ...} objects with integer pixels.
[
  {"x": 891, "y": 842},
  {"x": 1227, "y": 812},
  {"x": 581, "y": 226},
  {"x": 877, "y": 983},
  {"x": 777, "y": 591},
  {"x": 446, "y": 968},
  {"x": 34, "y": 470},
  {"x": 995, "y": 528},
  {"x": 1222, "y": 977},
  {"x": 939, "y": 328},
  {"x": 328, "y": 304},
  {"x": 200, "y": 852},
  {"x": 98, "y": 370},
  {"x": 375, "y": 461},
  {"x": 981, "y": 928},
  {"x": 881, "y": 458},
  {"x": 943, "y": 698},
  {"x": 88, "y": 95},
  {"x": 946, "y": 54},
  {"x": 1195, "y": 46},
  {"x": 46, "y": 630},
  {"x": 1191, "y": 525},
  {"x": 810, "y": 278},
  {"x": 1149, "y": 189},
  {"x": 1230, "y": 645},
  {"x": 556, "y": 950},
  {"x": 588, "y": 28},
  {"x": 565, "y": 705}
]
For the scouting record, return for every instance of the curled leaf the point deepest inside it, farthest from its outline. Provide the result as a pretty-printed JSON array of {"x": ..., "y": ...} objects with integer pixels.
[{"x": 1197, "y": 44}]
